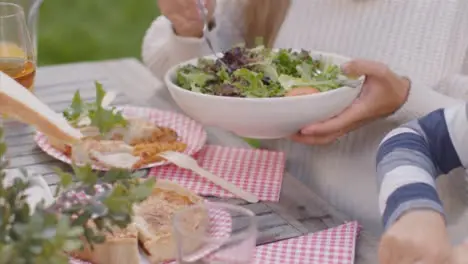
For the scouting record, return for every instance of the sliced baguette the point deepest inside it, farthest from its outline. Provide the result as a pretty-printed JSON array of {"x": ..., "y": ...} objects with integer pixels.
[
  {"x": 151, "y": 227},
  {"x": 18, "y": 102},
  {"x": 153, "y": 219},
  {"x": 121, "y": 247}
]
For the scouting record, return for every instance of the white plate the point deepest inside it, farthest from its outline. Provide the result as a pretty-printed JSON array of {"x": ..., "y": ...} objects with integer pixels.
[{"x": 189, "y": 131}]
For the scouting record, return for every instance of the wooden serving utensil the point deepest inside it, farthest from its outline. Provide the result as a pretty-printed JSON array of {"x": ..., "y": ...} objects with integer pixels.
[{"x": 19, "y": 103}]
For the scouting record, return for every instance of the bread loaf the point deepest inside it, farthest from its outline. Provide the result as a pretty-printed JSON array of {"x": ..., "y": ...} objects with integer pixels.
[
  {"x": 154, "y": 219},
  {"x": 121, "y": 247}
]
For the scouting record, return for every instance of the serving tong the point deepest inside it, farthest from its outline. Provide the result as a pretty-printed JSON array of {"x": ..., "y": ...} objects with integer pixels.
[
  {"x": 351, "y": 82},
  {"x": 204, "y": 15}
]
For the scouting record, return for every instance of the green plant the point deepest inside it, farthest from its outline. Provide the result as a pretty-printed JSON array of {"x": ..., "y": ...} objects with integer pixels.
[{"x": 45, "y": 233}]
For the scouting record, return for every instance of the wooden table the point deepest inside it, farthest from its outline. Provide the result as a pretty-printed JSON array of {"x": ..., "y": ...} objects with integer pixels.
[{"x": 299, "y": 211}]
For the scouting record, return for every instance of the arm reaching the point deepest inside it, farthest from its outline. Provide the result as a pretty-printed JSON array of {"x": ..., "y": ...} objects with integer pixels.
[
  {"x": 448, "y": 92},
  {"x": 162, "y": 48},
  {"x": 412, "y": 156}
]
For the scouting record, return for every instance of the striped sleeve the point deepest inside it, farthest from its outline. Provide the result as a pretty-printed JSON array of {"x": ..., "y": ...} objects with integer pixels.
[{"x": 411, "y": 157}]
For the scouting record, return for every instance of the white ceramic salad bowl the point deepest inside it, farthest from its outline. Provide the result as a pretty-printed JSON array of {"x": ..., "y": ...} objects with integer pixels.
[{"x": 262, "y": 118}]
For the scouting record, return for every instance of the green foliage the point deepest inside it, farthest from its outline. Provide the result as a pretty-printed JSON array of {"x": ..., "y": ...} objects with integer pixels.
[{"x": 45, "y": 234}]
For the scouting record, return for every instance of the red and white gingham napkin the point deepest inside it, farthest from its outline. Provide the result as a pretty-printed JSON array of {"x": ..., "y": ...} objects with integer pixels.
[
  {"x": 332, "y": 246},
  {"x": 220, "y": 228},
  {"x": 257, "y": 171}
]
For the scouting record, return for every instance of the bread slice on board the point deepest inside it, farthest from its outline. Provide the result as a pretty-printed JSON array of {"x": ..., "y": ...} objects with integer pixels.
[
  {"x": 18, "y": 102},
  {"x": 152, "y": 229},
  {"x": 121, "y": 247},
  {"x": 154, "y": 219}
]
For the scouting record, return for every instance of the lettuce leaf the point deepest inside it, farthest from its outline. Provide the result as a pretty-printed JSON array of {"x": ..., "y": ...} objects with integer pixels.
[
  {"x": 252, "y": 84},
  {"x": 105, "y": 119},
  {"x": 258, "y": 72},
  {"x": 288, "y": 83}
]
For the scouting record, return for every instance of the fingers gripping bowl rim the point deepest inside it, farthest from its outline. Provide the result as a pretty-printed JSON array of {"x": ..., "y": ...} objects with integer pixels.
[{"x": 262, "y": 118}]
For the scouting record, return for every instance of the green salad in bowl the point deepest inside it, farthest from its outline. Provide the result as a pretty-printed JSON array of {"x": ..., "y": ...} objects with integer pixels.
[
  {"x": 262, "y": 93},
  {"x": 259, "y": 73}
]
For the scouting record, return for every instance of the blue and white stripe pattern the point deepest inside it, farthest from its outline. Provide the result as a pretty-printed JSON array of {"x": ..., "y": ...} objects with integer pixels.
[{"x": 412, "y": 156}]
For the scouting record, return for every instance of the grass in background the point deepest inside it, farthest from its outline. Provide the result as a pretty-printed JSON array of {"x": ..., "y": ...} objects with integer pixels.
[{"x": 84, "y": 30}]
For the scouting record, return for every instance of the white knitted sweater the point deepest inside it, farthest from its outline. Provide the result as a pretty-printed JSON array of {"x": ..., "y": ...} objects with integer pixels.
[{"x": 424, "y": 39}]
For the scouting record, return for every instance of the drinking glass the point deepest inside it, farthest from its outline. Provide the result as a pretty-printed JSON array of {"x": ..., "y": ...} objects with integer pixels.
[
  {"x": 215, "y": 233},
  {"x": 17, "y": 55},
  {"x": 31, "y": 12}
]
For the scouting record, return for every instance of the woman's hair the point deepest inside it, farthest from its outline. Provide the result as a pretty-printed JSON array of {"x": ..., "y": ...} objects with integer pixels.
[{"x": 263, "y": 18}]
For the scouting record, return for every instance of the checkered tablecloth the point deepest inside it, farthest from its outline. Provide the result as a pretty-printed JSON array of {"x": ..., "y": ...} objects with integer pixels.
[
  {"x": 257, "y": 171},
  {"x": 332, "y": 246}
]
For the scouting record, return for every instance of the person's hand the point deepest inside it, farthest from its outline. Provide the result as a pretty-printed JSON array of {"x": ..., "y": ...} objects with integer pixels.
[
  {"x": 383, "y": 93},
  {"x": 418, "y": 237},
  {"x": 185, "y": 17}
]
